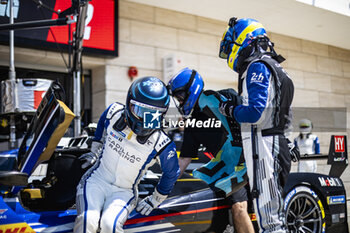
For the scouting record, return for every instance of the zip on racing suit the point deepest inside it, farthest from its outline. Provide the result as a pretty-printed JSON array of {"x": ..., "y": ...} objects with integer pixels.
[
  {"x": 267, "y": 93},
  {"x": 108, "y": 193}
]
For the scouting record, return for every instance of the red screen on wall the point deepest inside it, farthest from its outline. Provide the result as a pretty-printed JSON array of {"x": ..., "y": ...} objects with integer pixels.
[{"x": 101, "y": 26}]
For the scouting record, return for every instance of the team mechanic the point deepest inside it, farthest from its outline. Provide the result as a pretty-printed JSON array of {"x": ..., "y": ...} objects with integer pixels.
[
  {"x": 264, "y": 115},
  {"x": 107, "y": 193},
  {"x": 186, "y": 87},
  {"x": 308, "y": 144}
]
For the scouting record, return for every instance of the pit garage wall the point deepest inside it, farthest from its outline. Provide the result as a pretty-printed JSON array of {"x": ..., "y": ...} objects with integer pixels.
[{"x": 321, "y": 73}]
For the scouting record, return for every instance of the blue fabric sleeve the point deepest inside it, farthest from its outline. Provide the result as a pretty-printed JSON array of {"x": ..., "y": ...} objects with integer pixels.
[
  {"x": 257, "y": 81},
  {"x": 317, "y": 145},
  {"x": 295, "y": 142},
  {"x": 101, "y": 125},
  {"x": 170, "y": 168}
]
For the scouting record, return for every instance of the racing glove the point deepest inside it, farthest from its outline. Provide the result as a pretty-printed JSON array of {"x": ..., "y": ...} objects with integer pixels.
[
  {"x": 293, "y": 151},
  {"x": 90, "y": 158},
  {"x": 146, "y": 205},
  {"x": 226, "y": 107}
]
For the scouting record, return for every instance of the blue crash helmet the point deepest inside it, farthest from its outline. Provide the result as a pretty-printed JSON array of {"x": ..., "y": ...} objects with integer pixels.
[
  {"x": 185, "y": 88},
  {"x": 238, "y": 35},
  {"x": 146, "y": 95}
]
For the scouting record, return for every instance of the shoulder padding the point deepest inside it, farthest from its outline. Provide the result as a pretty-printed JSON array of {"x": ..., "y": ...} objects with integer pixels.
[
  {"x": 267, "y": 61},
  {"x": 113, "y": 109},
  {"x": 162, "y": 142}
]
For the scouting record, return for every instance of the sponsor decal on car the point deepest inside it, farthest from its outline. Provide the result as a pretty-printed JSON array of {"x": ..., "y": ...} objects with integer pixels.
[
  {"x": 330, "y": 181},
  {"x": 339, "y": 159},
  {"x": 288, "y": 197},
  {"x": 3, "y": 211},
  {"x": 16, "y": 228},
  {"x": 334, "y": 200},
  {"x": 295, "y": 190},
  {"x": 339, "y": 143},
  {"x": 2, "y": 215}
]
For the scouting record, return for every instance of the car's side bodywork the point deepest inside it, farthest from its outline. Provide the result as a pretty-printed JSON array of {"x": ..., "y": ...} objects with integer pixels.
[{"x": 190, "y": 208}]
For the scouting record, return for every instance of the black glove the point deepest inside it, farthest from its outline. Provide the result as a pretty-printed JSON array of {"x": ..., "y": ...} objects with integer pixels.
[
  {"x": 293, "y": 151},
  {"x": 226, "y": 107}
]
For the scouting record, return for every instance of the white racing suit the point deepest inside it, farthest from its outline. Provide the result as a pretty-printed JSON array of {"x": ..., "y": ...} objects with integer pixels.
[
  {"x": 107, "y": 193},
  {"x": 267, "y": 94},
  {"x": 308, "y": 145}
]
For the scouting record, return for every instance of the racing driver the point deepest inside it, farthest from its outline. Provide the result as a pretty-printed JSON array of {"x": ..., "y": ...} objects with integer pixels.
[
  {"x": 264, "y": 115},
  {"x": 123, "y": 150}
]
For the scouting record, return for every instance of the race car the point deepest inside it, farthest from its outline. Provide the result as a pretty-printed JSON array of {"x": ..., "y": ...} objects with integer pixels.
[{"x": 38, "y": 191}]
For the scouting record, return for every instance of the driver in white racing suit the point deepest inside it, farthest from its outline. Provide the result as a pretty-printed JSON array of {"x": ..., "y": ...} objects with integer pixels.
[
  {"x": 308, "y": 144},
  {"x": 123, "y": 150}
]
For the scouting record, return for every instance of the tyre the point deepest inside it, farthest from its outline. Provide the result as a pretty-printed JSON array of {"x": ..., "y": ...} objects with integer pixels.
[{"x": 304, "y": 211}]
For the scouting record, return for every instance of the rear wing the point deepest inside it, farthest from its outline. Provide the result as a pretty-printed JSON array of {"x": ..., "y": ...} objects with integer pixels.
[{"x": 337, "y": 156}]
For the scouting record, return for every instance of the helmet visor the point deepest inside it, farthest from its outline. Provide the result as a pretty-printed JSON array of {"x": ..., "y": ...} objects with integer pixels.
[
  {"x": 226, "y": 42},
  {"x": 180, "y": 96},
  {"x": 139, "y": 109}
]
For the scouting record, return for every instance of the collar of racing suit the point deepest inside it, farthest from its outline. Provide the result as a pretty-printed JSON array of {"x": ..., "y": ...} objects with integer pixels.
[{"x": 259, "y": 47}]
